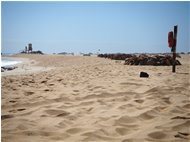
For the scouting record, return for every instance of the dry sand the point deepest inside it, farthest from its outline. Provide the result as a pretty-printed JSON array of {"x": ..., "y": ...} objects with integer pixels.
[{"x": 93, "y": 99}]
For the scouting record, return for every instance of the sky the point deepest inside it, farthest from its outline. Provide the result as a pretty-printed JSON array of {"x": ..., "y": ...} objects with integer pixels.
[{"x": 105, "y": 27}]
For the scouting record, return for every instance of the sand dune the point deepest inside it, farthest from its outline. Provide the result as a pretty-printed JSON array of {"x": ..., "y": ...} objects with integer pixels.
[{"x": 93, "y": 99}]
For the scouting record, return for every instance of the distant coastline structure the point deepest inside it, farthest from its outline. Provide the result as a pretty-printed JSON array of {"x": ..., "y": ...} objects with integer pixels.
[
  {"x": 29, "y": 50},
  {"x": 29, "y": 47}
]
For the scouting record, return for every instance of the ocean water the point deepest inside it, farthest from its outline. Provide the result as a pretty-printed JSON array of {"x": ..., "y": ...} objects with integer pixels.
[{"x": 9, "y": 62}]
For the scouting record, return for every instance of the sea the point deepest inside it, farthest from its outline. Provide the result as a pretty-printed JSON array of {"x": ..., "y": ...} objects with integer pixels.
[{"x": 5, "y": 61}]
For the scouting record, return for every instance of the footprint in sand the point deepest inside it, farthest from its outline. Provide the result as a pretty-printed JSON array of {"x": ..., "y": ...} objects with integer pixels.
[
  {"x": 166, "y": 100},
  {"x": 28, "y": 93},
  {"x": 57, "y": 113},
  {"x": 187, "y": 106},
  {"x": 182, "y": 135},
  {"x": 59, "y": 80},
  {"x": 74, "y": 130},
  {"x": 125, "y": 120},
  {"x": 3, "y": 117},
  {"x": 15, "y": 110},
  {"x": 122, "y": 131},
  {"x": 62, "y": 137},
  {"x": 127, "y": 106},
  {"x": 184, "y": 125},
  {"x": 180, "y": 117},
  {"x": 139, "y": 101},
  {"x": 51, "y": 84},
  {"x": 31, "y": 133},
  {"x": 96, "y": 136},
  {"x": 157, "y": 135},
  {"x": 46, "y": 90},
  {"x": 21, "y": 109},
  {"x": 31, "y": 81},
  {"x": 147, "y": 115},
  {"x": 75, "y": 90},
  {"x": 44, "y": 81},
  {"x": 127, "y": 140},
  {"x": 12, "y": 101}
]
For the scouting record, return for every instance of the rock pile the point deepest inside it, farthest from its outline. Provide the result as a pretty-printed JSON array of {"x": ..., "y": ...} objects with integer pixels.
[
  {"x": 154, "y": 60},
  {"x": 118, "y": 56},
  {"x": 143, "y": 59}
]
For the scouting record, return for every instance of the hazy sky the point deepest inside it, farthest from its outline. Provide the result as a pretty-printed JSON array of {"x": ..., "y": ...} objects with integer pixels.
[{"x": 125, "y": 27}]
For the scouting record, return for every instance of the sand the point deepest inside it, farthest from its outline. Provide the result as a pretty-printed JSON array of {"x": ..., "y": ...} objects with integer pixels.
[{"x": 84, "y": 99}]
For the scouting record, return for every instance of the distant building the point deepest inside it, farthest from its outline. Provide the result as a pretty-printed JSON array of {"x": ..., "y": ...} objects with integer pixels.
[{"x": 30, "y": 47}]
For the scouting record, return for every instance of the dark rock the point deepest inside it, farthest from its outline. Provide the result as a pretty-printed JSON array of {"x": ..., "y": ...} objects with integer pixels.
[
  {"x": 2, "y": 69},
  {"x": 167, "y": 62},
  {"x": 8, "y": 68},
  {"x": 136, "y": 62},
  {"x": 141, "y": 62},
  {"x": 150, "y": 61},
  {"x": 163, "y": 61},
  {"x": 144, "y": 74},
  {"x": 143, "y": 56},
  {"x": 11, "y": 68}
]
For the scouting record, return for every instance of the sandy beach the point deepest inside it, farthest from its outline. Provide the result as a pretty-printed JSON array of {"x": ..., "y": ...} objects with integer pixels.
[{"x": 54, "y": 98}]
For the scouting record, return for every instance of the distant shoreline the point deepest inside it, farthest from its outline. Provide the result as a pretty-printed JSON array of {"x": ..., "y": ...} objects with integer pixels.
[
  {"x": 22, "y": 66},
  {"x": 10, "y": 61}
]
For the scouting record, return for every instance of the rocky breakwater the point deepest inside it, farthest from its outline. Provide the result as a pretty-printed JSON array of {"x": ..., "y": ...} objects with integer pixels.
[
  {"x": 153, "y": 60},
  {"x": 118, "y": 56},
  {"x": 143, "y": 59}
]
